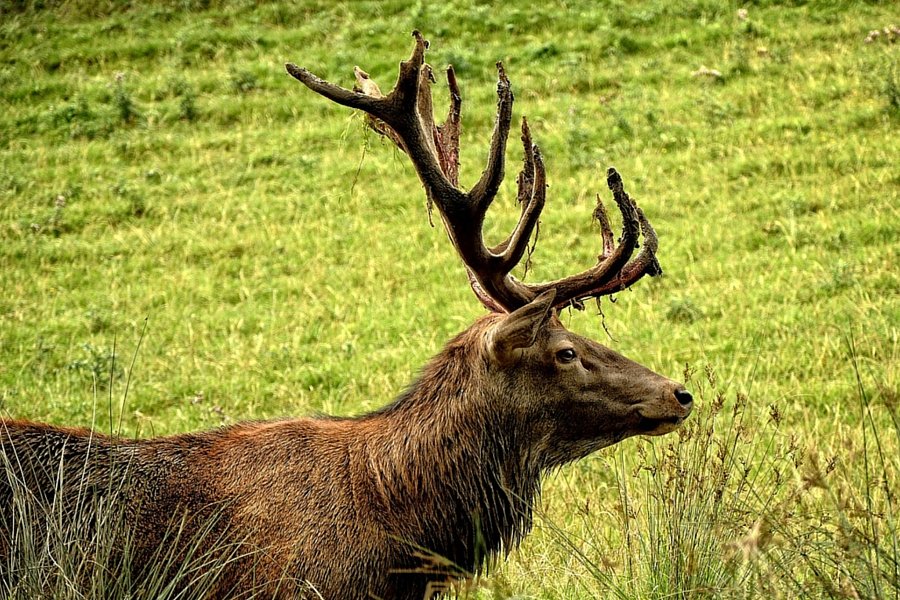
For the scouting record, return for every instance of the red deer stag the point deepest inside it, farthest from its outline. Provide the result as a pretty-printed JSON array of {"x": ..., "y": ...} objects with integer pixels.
[{"x": 396, "y": 503}]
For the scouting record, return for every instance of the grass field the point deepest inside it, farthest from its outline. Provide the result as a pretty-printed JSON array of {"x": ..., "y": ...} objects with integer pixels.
[{"x": 169, "y": 196}]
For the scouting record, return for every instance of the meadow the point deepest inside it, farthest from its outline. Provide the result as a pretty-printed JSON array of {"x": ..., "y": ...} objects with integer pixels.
[{"x": 190, "y": 238}]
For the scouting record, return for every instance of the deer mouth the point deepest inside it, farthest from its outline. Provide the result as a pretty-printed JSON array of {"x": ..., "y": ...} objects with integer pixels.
[{"x": 648, "y": 426}]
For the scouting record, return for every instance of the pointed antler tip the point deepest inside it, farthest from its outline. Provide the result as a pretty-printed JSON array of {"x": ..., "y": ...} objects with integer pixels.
[
  {"x": 418, "y": 54},
  {"x": 526, "y": 134},
  {"x": 614, "y": 182},
  {"x": 301, "y": 74},
  {"x": 501, "y": 74},
  {"x": 420, "y": 39}
]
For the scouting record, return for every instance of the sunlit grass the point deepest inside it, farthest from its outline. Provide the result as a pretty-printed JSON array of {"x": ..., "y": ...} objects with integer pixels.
[{"x": 157, "y": 165}]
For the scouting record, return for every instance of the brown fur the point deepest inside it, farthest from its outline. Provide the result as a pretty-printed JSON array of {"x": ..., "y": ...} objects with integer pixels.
[{"x": 426, "y": 489}]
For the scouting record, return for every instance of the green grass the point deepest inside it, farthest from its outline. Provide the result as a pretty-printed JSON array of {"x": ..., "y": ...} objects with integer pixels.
[{"x": 159, "y": 168}]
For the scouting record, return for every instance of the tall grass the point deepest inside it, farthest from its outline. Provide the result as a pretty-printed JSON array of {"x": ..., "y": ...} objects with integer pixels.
[
  {"x": 79, "y": 540},
  {"x": 734, "y": 505},
  {"x": 691, "y": 508},
  {"x": 70, "y": 527},
  {"x": 843, "y": 537}
]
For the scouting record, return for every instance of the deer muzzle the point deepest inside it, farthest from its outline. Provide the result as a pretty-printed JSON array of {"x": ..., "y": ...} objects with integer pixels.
[{"x": 665, "y": 414}]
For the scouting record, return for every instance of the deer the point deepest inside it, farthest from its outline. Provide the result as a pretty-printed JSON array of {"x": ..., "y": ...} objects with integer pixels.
[{"x": 440, "y": 483}]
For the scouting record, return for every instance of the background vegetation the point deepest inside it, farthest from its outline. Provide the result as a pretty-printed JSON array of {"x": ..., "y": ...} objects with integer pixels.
[{"x": 168, "y": 192}]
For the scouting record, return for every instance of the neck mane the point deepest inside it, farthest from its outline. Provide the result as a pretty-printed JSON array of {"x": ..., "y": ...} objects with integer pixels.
[{"x": 450, "y": 464}]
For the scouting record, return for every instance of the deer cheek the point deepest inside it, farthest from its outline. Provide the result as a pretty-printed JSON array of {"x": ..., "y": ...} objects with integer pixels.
[{"x": 580, "y": 421}]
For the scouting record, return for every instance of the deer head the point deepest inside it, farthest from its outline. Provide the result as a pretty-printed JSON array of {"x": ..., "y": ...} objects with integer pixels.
[{"x": 577, "y": 394}]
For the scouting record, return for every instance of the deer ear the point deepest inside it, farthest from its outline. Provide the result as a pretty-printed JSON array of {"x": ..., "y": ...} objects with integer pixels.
[{"x": 520, "y": 328}]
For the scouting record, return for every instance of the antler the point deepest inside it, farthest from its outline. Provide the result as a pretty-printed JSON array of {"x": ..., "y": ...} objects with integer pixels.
[{"x": 405, "y": 115}]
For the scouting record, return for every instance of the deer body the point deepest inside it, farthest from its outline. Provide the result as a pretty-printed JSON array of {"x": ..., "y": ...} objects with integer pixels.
[
  {"x": 424, "y": 490},
  {"x": 398, "y": 502}
]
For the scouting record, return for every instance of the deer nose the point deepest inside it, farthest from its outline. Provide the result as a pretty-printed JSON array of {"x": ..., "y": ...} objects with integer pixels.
[{"x": 684, "y": 397}]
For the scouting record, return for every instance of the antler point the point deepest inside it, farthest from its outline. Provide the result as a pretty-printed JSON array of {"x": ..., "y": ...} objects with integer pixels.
[
  {"x": 613, "y": 179},
  {"x": 501, "y": 74},
  {"x": 420, "y": 39}
]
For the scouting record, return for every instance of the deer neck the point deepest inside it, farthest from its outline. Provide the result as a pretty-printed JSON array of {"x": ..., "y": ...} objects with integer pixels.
[{"x": 449, "y": 467}]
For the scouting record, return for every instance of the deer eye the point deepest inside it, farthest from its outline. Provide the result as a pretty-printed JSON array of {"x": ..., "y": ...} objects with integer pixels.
[{"x": 566, "y": 355}]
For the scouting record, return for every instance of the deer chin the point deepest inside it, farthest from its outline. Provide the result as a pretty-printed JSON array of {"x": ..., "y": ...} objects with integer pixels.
[{"x": 649, "y": 426}]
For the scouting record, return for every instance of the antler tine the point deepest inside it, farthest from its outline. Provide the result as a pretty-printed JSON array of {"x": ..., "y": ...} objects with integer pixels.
[
  {"x": 406, "y": 90},
  {"x": 524, "y": 182},
  {"x": 645, "y": 264},
  {"x": 531, "y": 211},
  {"x": 335, "y": 93},
  {"x": 448, "y": 133},
  {"x": 613, "y": 272},
  {"x": 426, "y": 109},
  {"x": 600, "y": 215},
  {"x": 483, "y": 192},
  {"x": 399, "y": 110}
]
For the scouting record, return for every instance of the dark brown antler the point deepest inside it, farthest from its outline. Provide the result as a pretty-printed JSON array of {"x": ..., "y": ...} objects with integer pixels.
[{"x": 405, "y": 115}]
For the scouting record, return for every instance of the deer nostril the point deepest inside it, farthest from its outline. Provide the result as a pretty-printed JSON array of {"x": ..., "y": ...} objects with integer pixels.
[{"x": 684, "y": 397}]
